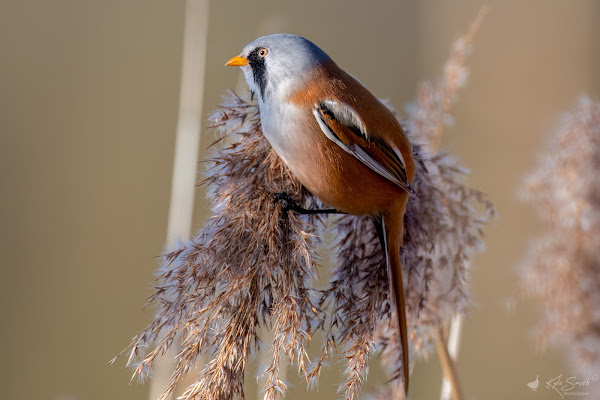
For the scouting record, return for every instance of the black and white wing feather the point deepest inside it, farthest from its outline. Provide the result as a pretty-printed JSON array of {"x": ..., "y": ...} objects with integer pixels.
[{"x": 342, "y": 125}]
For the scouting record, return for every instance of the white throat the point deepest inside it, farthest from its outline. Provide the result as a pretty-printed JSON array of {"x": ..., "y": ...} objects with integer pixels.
[{"x": 280, "y": 121}]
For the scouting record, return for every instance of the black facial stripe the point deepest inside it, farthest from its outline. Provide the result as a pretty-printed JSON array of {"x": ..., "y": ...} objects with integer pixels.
[{"x": 259, "y": 70}]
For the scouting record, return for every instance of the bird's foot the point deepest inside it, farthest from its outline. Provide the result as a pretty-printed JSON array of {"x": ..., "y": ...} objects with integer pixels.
[
  {"x": 288, "y": 204},
  {"x": 286, "y": 201}
]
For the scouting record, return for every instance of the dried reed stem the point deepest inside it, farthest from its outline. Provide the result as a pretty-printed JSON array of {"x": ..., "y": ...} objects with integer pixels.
[
  {"x": 453, "y": 343},
  {"x": 187, "y": 142},
  {"x": 448, "y": 365},
  {"x": 450, "y": 380},
  {"x": 429, "y": 118},
  {"x": 455, "y": 76}
]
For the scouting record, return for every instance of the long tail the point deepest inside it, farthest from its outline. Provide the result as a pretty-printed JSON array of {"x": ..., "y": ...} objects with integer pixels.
[{"x": 390, "y": 230}]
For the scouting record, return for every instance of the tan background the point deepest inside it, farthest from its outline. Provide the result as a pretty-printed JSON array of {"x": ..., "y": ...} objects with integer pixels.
[{"x": 88, "y": 108}]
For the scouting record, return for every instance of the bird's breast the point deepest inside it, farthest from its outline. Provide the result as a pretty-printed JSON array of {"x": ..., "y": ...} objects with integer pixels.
[{"x": 281, "y": 125}]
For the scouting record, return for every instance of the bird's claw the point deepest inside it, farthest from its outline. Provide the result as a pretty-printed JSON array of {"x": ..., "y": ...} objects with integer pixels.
[
  {"x": 288, "y": 204},
  {"x": 286, "y": 201}
]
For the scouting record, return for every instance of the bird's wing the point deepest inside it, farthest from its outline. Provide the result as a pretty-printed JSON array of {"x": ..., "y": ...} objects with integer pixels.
[{"x": 342, "y": 125}]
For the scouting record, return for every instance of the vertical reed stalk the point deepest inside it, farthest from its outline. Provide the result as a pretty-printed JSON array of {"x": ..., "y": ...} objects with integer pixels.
[
  {"x": 450, "y": 383},
  {"x": 451, "y": 348},
  {"x": 186, "y": 149}
]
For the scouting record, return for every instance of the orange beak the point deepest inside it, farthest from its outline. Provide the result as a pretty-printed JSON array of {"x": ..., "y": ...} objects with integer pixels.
[{"x": 237, "y": 61}]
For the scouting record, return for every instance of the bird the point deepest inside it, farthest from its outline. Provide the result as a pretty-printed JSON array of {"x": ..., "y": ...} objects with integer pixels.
[
  {"x": 340, "y": 141},
  {"x": 534, "y": 385}
]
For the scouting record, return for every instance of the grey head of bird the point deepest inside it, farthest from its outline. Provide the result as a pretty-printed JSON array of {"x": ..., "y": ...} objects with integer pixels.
[{"x": 274, "y": 64}]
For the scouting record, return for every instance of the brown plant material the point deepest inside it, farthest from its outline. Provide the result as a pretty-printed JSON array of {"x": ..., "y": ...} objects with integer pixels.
[
  {"x": 431, "y": 113},
  {"x": 562, "y": 269},
  {"x": 249, "y": 266},
  {"x": 253, "y": 265}
]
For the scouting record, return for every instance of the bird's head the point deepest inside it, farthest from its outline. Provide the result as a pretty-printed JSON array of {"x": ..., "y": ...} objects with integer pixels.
[{"x": 274, "y": 65}]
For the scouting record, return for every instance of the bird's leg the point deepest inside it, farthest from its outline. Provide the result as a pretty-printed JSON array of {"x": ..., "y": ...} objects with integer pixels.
[{"x": 289, "y": 204}]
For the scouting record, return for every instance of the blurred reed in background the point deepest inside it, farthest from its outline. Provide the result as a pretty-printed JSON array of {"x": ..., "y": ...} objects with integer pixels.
[{"x": 562, "y": 270}]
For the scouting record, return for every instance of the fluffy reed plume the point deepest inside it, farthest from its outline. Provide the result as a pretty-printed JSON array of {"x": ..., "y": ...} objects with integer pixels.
[
  {"x": 431, "y": 113},
  {"x": 254, "y": 263},
  {"x": 251, "y": 265},
  {"x": 562, "y": 269}
]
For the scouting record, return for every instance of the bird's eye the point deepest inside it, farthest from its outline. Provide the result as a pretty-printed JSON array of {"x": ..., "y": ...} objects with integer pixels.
[{"x": 262, "y": 52}]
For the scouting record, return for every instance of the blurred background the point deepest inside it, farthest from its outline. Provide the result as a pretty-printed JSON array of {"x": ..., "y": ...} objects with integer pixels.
[{"x": 89, "y": 96}]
